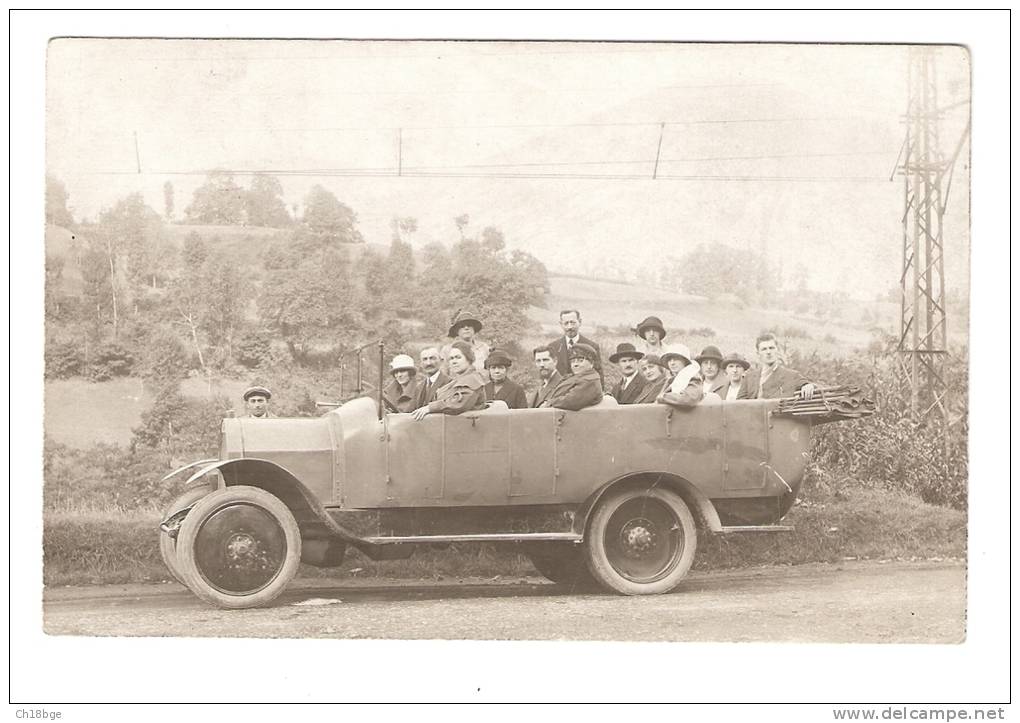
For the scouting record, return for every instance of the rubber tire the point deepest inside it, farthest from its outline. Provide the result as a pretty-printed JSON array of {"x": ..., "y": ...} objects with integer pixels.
[
  {"x": 598, "y": 562},
  {"x": 167, "y": 544},
  {"x": 193, "y": 524},
  {"x": 562, "y": 563}
]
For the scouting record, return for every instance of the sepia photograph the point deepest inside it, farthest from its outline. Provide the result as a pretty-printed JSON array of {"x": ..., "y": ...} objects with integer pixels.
[{"x": 470, "y": 339}]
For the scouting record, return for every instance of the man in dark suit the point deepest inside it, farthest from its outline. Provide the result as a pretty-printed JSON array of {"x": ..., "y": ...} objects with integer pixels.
[
  {"x": 628, "y": 389},
  {"x": 583, "y": 388},
  {"x": 771, "y": 380},
  {"x": 499, "y": 386},
  {"x": 432, "y": 377},
  {"x": 548, "y": 376},
  {"x": 570, "y": 322}
]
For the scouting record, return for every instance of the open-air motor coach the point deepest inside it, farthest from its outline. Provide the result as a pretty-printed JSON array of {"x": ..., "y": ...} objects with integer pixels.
[{"x": 615, "y": 495}]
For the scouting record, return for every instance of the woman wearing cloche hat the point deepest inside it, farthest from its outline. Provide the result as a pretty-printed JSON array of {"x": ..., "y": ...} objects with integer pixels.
[{"x": 402, "y": 391}]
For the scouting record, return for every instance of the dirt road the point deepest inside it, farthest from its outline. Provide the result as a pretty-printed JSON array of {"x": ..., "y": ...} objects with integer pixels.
[{"x": 850, "y": 602}]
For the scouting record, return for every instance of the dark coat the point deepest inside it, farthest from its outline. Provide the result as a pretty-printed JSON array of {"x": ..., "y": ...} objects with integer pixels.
[
  {"x": 576, "y": 392},
  {"x": 403, "y": 399},
  {"x": 651, "y": 390},
  {"x": 510, "y": 392},
  {"x": 543, "y": 391},
  {"x": 783, "y": 382},
  {"x": 461, "y": 394},
  {"x": 632, "y": 392},
  {"x": 559, "y": 352},
  {"x": 427, "y": 393}
]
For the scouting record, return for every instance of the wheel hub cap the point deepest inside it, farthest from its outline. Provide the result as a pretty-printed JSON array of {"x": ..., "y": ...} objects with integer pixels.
[
  {"x": 240, "y": 549},
  {"x": 644, "y": 540}
]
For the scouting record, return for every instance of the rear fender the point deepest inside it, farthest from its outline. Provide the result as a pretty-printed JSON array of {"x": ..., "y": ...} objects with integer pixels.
[
  {"x": 701, "y": 506},
  {"x": 311, "y": 516}
]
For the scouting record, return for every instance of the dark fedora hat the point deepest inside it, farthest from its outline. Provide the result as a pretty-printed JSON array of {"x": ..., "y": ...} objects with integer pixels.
[
  {"x": 462, "y": 319},
  {"x": 652, "y": 322},
  {"x": 735, "y": 359},
  {"x": 625, "y": 349},
  {"x": 709, "y": 352},
  {"x": 498, "y": 358}
]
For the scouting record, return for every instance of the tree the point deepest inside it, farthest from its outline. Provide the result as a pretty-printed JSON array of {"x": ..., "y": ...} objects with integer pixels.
[
  {"x": 714, "y": 270},
  {"x": 168, "y": 200},
  {"x": 264, "y": 202},
  {"x": 328, "y": 222},
  {"x": 308, "y": 301},
  {"x": 131, "y": 233},
  {"x": 482, "y": 276},
  {"x": 219, "y": 201},
  {"x": 56, "y": 203}
]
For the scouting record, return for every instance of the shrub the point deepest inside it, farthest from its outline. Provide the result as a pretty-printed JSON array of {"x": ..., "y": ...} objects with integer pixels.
[
  {"x": 253, "y": 350},
  {"x": 111, "y": 360},
  {"x": 890, "y": 449},
  {"x": 63, "y": 360}
]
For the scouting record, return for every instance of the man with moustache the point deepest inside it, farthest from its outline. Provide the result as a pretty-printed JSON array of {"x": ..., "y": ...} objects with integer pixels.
[
  {"x": 629, "y": 388},
  {"x": 432, "y": 375},
  {"x": 548, "y": 375}
]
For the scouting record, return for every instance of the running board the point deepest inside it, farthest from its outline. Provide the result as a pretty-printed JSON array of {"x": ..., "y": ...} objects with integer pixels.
[
  {"x": 756, "y": 528},
  {"x": 492, "y": 537}
]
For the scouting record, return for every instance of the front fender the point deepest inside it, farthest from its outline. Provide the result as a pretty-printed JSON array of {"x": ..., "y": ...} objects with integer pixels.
[{"x": 280, "y": 482}]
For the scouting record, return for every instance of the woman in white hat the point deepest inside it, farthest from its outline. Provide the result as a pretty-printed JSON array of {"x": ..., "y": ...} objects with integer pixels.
[
  {"x": 401, "y": 393},
  {"x": 686, "y": 387}
]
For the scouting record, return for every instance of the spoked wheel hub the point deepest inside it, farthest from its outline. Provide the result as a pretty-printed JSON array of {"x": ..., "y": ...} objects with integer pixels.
[{"x": 240, "y": 549}]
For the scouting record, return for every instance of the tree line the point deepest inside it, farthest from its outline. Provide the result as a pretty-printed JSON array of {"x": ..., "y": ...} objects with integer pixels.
[{"x": 128, "y": 300}]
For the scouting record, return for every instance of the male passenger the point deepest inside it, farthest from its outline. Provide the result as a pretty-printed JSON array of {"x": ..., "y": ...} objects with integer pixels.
[
  {"x": 256, "y": 402},
  {"x": 583, "y": 388},
  {"x": 629, "y": 388},
  {"x": 570, "y": 322},
  {"x": 432, "y": 375},
  {"x": 735, "y": 366},
  {"x": 548, "y": 376},
  {"x": 771, "y": 380}
]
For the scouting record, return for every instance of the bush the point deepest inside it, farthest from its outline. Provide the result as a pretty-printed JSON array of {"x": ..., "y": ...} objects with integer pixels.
[
  {"x": 63, "y": 360},
  {"x": 111, "y": 360},
  {"x": 165, "y": 361},
  {"x": 253, "y": 350},
  {"x": 890, "y": 449}
]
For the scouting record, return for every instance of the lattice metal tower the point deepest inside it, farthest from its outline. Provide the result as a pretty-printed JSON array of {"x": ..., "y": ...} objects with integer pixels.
[{"x": 923, "y": 311}]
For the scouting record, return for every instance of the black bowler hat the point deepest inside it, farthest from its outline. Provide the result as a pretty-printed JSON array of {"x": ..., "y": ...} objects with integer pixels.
[
  {"x": 652, "y": 322},
  {"x": 625, "y": 349}
]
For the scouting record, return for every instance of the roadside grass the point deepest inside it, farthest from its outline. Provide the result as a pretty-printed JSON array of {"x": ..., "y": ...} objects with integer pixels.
[{"x": 109, "y": 546}]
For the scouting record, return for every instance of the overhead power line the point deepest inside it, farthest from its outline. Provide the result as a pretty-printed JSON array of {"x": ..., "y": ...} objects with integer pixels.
[{"x": 408, "y": 173}]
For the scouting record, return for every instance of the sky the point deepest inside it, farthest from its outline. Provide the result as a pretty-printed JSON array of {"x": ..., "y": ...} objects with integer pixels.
[{"x": 785, "y": 150}]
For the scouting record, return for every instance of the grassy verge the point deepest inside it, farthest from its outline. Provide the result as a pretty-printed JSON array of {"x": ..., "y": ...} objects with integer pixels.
[{"x": 93, "y": 547}]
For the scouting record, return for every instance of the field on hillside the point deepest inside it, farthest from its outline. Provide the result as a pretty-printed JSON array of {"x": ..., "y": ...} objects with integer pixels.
[
  {"x": 617, "y": 306},
  {"x": 79, "y": 413}
]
